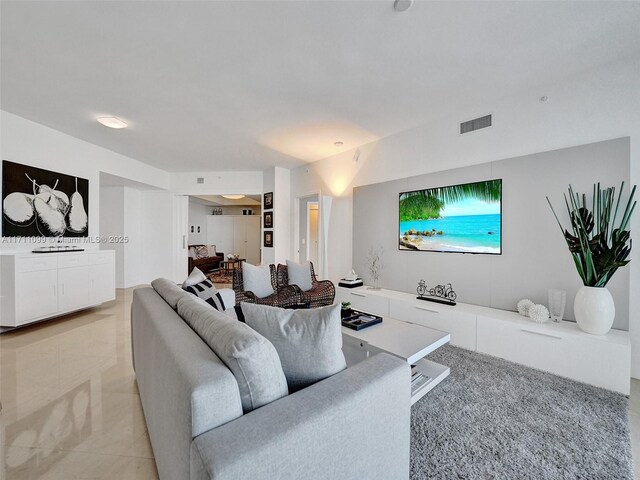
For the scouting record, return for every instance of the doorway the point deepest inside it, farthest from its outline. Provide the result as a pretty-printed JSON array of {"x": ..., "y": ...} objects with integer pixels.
[
  {"x": 309, "y": 229},
  {"x": 312, "y": 235}
]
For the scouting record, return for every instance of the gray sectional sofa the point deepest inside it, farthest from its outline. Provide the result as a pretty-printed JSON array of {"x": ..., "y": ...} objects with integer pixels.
[{"x": 352, "y": 425}]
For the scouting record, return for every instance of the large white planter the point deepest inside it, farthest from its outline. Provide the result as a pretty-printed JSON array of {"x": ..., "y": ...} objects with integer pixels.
[{"x": 594, "y": 310}]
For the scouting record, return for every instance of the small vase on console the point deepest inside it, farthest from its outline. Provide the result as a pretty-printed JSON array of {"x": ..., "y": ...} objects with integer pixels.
[{"x": 594, "y": 310}]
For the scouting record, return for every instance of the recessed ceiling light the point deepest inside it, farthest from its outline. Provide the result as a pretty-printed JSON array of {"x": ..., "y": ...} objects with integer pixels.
[
  {"x": 233, "y": 197},
  {"x": 112, "y": 122},
  {"x": 338, "y": 143},
  {"x": 402, "y": 5}
]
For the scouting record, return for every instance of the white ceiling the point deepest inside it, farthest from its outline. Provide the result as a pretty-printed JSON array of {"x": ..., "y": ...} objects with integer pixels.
[{"x": 232, "y": 85}]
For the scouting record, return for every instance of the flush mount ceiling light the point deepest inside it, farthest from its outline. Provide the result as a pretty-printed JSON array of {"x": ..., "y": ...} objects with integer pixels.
[
  {"x": 233, "y": 197},
  {"x": 402, "y": 5},
  {"x": 338, "y": 143},
  {"x": 112, "y": 122}
]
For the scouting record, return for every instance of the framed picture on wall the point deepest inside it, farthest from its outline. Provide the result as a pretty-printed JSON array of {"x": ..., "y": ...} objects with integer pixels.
[
  {"x": 268, "y": 219},
  {"x": 42, "y": 203},
  {"x": 268, "y": 200},
  {"x": 268, "y": 239}
]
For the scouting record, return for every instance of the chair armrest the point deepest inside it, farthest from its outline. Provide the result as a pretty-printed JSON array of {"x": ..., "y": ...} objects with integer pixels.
[
  {"x": 245, "y": 296},
  {"x": 352, "y": 425}
]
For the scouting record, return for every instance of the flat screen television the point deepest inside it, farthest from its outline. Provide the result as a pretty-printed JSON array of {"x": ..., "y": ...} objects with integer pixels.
[{"x": 465, "y": 218}]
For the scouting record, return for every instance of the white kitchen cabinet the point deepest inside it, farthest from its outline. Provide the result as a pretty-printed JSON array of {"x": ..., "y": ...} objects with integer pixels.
[
  {"x": 238, "y": 234},
  {"x": 39, "y": 286}
]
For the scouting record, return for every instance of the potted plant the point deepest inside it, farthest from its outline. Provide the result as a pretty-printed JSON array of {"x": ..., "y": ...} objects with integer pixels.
[
  {"x": 600, "y": 242},
  {"x": 346, "y": 309}
]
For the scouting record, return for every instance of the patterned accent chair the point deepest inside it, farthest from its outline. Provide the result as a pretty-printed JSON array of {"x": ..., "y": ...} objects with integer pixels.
[
  {"x": 285, "y": 296},
  {"x": 322, "y": 293}
]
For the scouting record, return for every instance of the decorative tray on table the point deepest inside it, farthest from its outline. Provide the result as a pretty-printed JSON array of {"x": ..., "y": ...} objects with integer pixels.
[{"x": 358, "y": 320}]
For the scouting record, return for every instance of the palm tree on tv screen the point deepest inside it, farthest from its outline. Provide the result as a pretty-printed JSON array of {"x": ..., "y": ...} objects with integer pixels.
[{"x": 428, "y": 204}]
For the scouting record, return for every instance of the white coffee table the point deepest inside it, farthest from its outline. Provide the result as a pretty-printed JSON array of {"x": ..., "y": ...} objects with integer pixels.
[{"x": 405, "y": 340}]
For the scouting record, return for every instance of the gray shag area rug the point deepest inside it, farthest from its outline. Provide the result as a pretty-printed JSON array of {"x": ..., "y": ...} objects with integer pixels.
[{"x": 493, "y": 419}]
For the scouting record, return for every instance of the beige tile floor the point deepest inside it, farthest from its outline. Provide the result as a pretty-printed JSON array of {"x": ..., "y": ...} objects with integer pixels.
[{"x": 70, "y": 406}]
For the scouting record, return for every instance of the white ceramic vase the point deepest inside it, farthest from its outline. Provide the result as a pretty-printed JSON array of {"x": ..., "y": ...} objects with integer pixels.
[{"x": 594, "y": 310}]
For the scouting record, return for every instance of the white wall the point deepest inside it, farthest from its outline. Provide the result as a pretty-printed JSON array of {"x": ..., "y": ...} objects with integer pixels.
[
  {"x": 112, "y": 224},
  {"x": 156, "y": 233},
  {"x": 198, "y": 216},
  {"x": 596, "y": 105}
]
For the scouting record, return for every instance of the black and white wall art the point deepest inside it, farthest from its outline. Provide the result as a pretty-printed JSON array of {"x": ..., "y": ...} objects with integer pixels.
[{"x": 42, "y": 203}]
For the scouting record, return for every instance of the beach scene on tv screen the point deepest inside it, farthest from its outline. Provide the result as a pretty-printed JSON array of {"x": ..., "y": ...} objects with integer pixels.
[{"x": 459, "y": 218}]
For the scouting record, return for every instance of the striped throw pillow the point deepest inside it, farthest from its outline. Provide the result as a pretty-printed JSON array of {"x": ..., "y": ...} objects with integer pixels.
[{"x": 207, "y": 292}]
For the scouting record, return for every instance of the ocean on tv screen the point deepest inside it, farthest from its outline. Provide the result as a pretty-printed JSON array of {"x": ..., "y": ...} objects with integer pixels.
[{"x": 462, "y": 233}]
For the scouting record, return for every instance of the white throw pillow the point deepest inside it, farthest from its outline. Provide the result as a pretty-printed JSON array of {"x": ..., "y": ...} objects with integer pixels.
[
  {"x": 196, "y": 276},
  {"x": 212, "y": 250},
  {"x": 257, "y": 280},
  {"x": 300, "y": 275},
  {"x": 308, "y": 342}
]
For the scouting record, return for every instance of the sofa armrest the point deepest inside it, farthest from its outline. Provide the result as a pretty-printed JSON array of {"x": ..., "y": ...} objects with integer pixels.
[{"x": 352, "y": 425}]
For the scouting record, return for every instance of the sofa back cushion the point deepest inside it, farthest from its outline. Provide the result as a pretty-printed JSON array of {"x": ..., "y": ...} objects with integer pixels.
[
  {"x": 257, "y": 280},
  {"x": 309, "y": 342},
  {"x": 252, "y": 359},
  {"x": 300, "y": 274},
  {"x": 169, "y": 291}
]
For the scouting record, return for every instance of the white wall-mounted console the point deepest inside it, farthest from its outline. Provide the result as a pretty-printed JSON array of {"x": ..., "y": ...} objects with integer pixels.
[
  {"x": 38, "y": 286},
  {"x": 559, "y": 348}
]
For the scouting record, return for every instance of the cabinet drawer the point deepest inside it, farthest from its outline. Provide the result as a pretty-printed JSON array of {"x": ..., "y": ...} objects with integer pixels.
[
  {"x": 73, "y": 260},
  {"x": 360, "y": 300},
  {"x": 461, "y": 326},
  {"x": 594, "y": 361},
  {"x": 36, "y": 263},
  {"x": 527, "y": 345},
  {"x": 99, "y": 258}
]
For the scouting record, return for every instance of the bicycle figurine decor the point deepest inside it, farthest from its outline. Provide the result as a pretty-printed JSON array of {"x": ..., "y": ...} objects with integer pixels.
[{"x": 440, "y": 293}]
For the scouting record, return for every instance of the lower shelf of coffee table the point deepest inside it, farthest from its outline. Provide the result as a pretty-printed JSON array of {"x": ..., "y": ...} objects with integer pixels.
[{"x": 436, "y": 372}]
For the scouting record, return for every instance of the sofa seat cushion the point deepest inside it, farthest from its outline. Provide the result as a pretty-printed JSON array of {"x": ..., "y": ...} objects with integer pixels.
[
  {"x": 252, "y": 359},
  {"x": 257, "y": 280},
  {"x": 300, "y": 274},
  {"x": 169, "y": 291},
  {"x": 309, "y": 342},
  {"x": 207, "y": 292}
]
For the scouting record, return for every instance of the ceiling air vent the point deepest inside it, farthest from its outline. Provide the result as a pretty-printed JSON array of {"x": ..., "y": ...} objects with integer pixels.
[
  {"x": 475, "y": 124},
  {"x": 200, "y": 180}
]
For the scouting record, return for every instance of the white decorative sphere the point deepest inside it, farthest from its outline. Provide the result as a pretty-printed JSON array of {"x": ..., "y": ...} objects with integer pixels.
[
  {"x": 538, "y": 313},
  {"x": 524, "y": 305}
]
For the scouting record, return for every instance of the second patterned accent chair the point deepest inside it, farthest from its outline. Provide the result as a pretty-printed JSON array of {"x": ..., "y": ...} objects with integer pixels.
[{"x": 322, "y": 293}]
